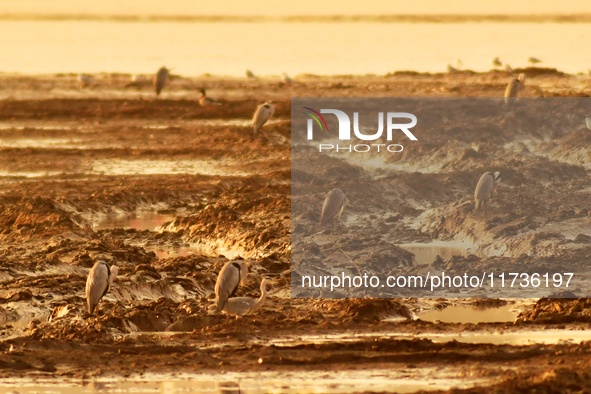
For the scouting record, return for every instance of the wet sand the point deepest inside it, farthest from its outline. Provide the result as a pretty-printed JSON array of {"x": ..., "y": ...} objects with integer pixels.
[{"x": 169, "y": 191}]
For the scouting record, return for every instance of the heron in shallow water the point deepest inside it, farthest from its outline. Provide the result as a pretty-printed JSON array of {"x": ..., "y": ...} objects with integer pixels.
[
  {"x": 160, "y": 79},
  {"x": 512, "y": 90},
  {"x": 100, "y": 278},
  {"x": 485, "y": 188},
  {"x": 247, "y": 305},
  {"x": 232, "y": 274},
  {"x": 205, "y": 101},
  {"x": 262, "y": 115},
  {"x": 333, "y": 206}
]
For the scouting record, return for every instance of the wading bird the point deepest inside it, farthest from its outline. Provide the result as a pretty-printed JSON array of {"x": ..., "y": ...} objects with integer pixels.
[
  {"x": 84, "y": 81},
  {"x": 205, "y": 101},
  {"x": 160, "y": 79},
  {"x": 100, "y": 278},
  {"x": 534, "y": 60},
  {"x": 262, "y": 115},
  {"x": 496, "y": 62},
  {"x": 250, "y": 74},
  {"x": 246, "y": 305},
  {"x": 588, "y": 123},
  {"x": 513, "y": 89},
  {"x": 485, "y": 188},
  {"x": 332, "y": 208},
  {"x": 232, "y": 274},
  {"x": 286, "y": 79}
]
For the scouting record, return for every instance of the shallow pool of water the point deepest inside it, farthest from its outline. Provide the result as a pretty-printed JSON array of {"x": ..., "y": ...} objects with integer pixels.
[
  {"x": 464, "y": 314},
  {"x": 402, "y": 380},
  {"x": 426, "y": 253},
  {"x": 138, "y": 220}
]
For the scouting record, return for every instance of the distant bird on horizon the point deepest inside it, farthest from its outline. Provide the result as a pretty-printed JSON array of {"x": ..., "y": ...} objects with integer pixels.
[
  {"x": 84, "y": 80},
  {"x": 206, "y": 101},
  {"x": 334, "y": 203},
  {"x": 508, "y": 68},
  {"x": 262, "y": 115},
  {"x": 485, "y": 189},
  {"x": 100, "y": 278},
  {"x": 136, "y": 80},
  {"x": 451, "y": 69},
  {"x": 496, "y": 62},
  {"x": 160, "y": 79},
  {"x": 250, "y": 74},
  {"x": 512, "y": 90},
  {"x": 286, "y": 79},
  {"x": 534, "y": 60},
  {"x": 232, "y": 274},
  {"x": 588, "y": 123},
  {"x": 459, "y": 63},
  {"x": 247, "y": 305}
]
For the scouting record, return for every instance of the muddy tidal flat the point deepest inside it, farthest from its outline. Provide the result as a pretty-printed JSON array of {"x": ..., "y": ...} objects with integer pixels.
[{"x": 169, "y": 191}]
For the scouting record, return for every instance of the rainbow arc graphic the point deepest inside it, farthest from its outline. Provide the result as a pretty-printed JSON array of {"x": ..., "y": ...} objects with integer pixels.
[{"x": 318, "y": 118}]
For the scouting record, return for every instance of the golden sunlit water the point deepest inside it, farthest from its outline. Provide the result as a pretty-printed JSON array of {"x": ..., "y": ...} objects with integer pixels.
[{"x": 272, "y": 47}]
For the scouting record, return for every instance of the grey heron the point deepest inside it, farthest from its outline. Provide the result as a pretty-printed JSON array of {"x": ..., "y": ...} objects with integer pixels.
[
  {"x": 262, "y": 115},
  {"x": 332, "y": 208},
  {"x": 588, "y": 123},
  {"x": 100, "y": 278},
  {"x": 160, "y": 79},
  {"x": 485, "y": 188},
  {"x": 232, "y": 274},
  {"x": 512, "y": 90},
  {"x": 247, "y": 305},
  {"x": 286, "y": 79},
  {"x": 205, "y": 101},
  {"x": 84, "y": 81}
]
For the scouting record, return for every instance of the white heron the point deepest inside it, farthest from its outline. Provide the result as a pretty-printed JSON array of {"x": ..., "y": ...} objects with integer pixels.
[
  {"x": 262, "y": 115},
  {"x": 84, "y": 81},
  {"x": 512, "y": 90},
  {"x": 333, "y": 206},
  {"x": 232, "y": 274},
  {"x": 247, "y": 305},
  {"x": 205, "y": 101},
  {"x": 160, "y": 79},
  {"x": 485, "y": 188},
  {"x": 588, "y": 123},
  {"x": 100, "y": 278}
]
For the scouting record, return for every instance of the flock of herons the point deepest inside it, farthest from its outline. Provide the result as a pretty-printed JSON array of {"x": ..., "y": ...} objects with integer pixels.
[
  {"x": 234, "y": 273},
  {"x": 262, "y": 113}
]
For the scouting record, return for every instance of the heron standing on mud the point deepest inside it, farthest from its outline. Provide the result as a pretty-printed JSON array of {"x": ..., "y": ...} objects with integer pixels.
[
  {"x": 262, "y": 115},
  {"x": 247, "y": 305},
  {"x": 232, "y": 274},
  {"x": 100, "y": 278},
  {"x": 205, "y": 101},
  {"x": 160, "y": 79},
  {"x": 512, "y": 90},
  {"x": 333, "y": 206},
  {"x": 485, "y": 188}
]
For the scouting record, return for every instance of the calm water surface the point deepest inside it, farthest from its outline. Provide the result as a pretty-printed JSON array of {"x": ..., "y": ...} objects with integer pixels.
[{"x": 273, "y": 47}]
